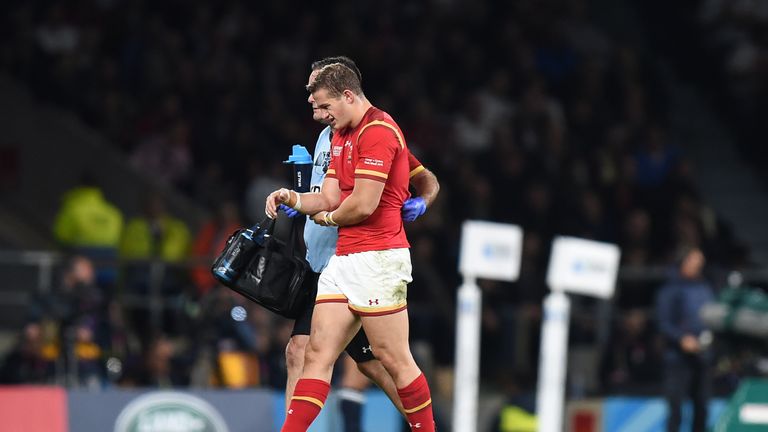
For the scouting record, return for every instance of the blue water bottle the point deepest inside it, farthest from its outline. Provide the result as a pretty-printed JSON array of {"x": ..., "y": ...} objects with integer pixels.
[
  {"x": 302, "y": 168},
  {"x": 239, "y": 251}
]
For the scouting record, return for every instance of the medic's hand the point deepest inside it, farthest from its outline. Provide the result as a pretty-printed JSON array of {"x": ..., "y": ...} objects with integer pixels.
[
  {"x": 413, "y": 208},
  {"x": 291, "y": 213},
  {"x": 274, "y": 199}
]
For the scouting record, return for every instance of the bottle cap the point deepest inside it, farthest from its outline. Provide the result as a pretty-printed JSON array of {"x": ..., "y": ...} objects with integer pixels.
[{"x": 300, "y": 155}]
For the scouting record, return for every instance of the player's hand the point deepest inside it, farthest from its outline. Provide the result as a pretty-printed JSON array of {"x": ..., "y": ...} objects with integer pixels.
[
  {"x": 690, "y": 344},
  {"x": 319, "y": 218},
  {"x": 413, "y": 208},
  {"x": 274, "y": 199},
  {"x": 291, "y": 213}
]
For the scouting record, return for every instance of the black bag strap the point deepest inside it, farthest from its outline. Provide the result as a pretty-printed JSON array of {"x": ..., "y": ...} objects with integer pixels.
[
  {"x": 269, "y": 223},
  {"x": 296, "y": 227}
]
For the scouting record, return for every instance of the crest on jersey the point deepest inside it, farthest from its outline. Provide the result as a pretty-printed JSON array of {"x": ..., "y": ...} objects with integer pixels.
[{"x": 348, "y": 146}]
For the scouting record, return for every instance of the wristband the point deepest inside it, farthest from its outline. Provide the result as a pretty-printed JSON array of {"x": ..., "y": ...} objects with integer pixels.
[
  {"x": 297, "y": 205},
  {"x": 328, "y": 219}
]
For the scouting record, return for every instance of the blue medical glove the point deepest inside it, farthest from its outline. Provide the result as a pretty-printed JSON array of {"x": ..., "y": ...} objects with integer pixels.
[
  {"x": 413, "y": 208},
  {"x": 291, "y": 213}
]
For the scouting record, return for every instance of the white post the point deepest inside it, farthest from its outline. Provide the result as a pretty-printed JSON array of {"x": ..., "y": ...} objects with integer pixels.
[
  {"x": 465, "y": 392},
  {"x": 553, "y": 361}
]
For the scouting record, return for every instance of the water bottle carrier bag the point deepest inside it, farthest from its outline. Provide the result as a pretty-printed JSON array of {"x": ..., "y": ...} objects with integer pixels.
[{"x": 275, "y": 272}]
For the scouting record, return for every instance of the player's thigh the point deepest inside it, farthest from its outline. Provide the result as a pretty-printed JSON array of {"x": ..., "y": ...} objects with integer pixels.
[
  {"x": 388, "y": 334},
  {"x": 333, "y": 326}
]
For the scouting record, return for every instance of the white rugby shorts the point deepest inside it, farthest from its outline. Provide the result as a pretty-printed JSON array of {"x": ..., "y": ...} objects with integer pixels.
[{"x": 371, "y": 283}]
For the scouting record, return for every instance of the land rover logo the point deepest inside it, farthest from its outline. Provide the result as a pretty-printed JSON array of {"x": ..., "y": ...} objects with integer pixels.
[{"x": 169, "y": 412}]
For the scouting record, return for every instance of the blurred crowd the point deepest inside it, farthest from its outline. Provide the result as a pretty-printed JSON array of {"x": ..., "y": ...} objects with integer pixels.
[
  {"x": 721, "y": 46},
  {"x": 526, "y": 112},
  {"x": 735, "y": 46}
]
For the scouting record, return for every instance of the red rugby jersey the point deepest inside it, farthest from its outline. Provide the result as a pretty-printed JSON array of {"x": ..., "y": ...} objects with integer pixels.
[{"x": 374, "y": 150}]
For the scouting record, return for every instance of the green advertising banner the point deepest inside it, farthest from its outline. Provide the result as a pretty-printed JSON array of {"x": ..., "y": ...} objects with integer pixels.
[{"x": 747, "y": 411}]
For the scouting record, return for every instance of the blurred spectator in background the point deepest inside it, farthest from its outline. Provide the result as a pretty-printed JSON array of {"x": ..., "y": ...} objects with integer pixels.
[
  {"x": 76, "y": 297},
  {"x": 88, "y": 224},
  {"x": 152, "y": 245},
  {"x": 517, "y": 413},
  {"x": 65, "y": 326},
  {"x": 687, "y": 354},
  {"x": 155, "y": 234},
  {"x": 158, "y": 367},
  {"x": 241, "y": 337},
  {"x": 166, "y": 156},
  {"x": 29, "y": 362},
  {"x": 86, "y": 354},
  {"x": 210, "y": 241},
  {"x": 631, "y": 363},
  {"x": 655, "y": 159},
  {"x": 57, "y": 35},
  {"x": 265, "y": 176}
]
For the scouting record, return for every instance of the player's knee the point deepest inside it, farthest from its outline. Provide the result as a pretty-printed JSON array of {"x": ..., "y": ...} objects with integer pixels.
[
  {"x": 391, "y": 359},
  {"x": 319, "y": 355},
  {"x": 356, "y": 378},
  {"x": 372, "y": 370},
  {"x": 294, "y": 352}
]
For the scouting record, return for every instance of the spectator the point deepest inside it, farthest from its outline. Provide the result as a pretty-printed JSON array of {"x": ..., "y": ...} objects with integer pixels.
[
  {"x": 656, "y": 159},
  {"x": 632, "y": 361},
  {"x": 27, "y": 362},
  {"x": 240, "y": 335},
  {"x": 265, "y": 177},
  {"x": 155, "y": 234},
  {"x": 473, "y": 127},
  {"x": 74, "y": 310},
  {"x": 57, "y": 36},
  {"x": 158, "y": 367},
  {"x": 517, "y": 413},
  {"x": 166, "y": 157},
  {"x": 210, "y": 241},
  {"x": 88, "y": 224},
  {"x": 76, "y": 297},
  {"x": 687, "y": 355},
  {"x": 151, "y": 246}
]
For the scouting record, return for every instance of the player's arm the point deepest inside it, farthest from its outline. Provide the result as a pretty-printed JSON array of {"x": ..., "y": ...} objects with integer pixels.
[
  {"x": 426, "y": 185},
  {"x": 307, "y": 203},
  {"x": 357, "y": 207}
]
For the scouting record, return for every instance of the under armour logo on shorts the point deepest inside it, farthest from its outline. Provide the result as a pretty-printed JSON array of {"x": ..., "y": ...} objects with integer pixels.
[
  {"x": 373, "y": 302},
  {"x": 367, "y": 349}
]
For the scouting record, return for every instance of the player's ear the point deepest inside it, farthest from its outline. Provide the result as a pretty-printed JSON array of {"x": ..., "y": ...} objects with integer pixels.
[{"x": 349, "y": 96}]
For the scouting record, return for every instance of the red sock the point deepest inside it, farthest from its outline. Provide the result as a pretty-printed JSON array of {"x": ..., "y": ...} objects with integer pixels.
[
  {"x": 307, "y": 401},
  {"x": 418, "y": 405}
]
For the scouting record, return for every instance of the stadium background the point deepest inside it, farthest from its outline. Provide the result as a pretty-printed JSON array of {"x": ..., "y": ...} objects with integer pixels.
[{"x": 631, "y": 122}]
